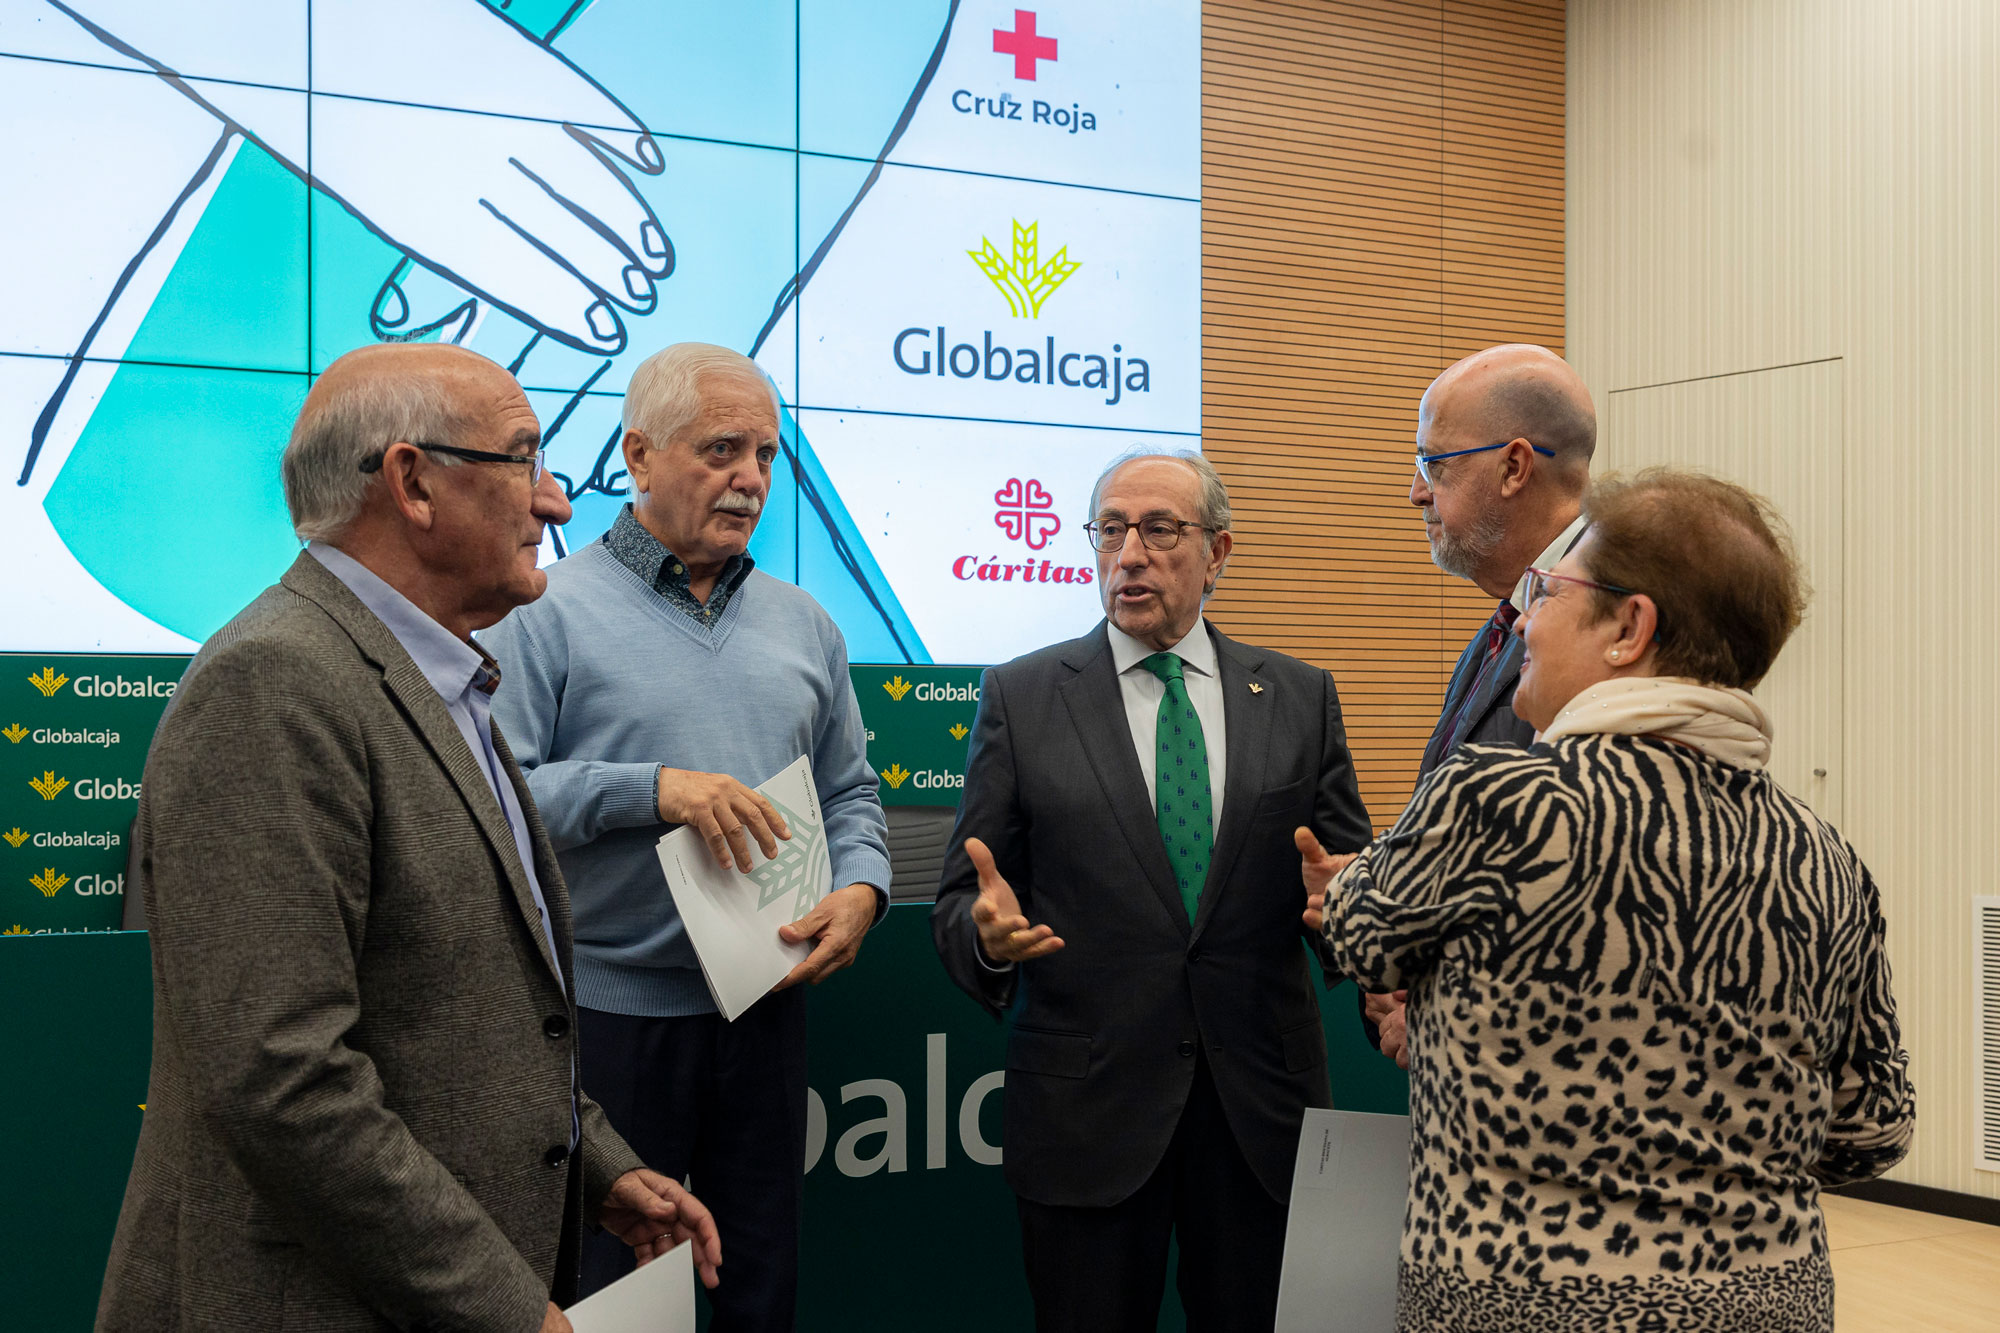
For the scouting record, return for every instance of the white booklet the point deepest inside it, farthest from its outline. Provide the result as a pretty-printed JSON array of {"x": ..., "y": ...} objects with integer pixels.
[
  {"x": 658, "y": 1298},
  {"x": 1344, "y": 1237},
  {"x": 732, "y": 918}
]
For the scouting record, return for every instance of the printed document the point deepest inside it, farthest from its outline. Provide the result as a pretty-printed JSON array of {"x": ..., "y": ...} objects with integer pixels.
[
  {"x": 658, "y": 1298},
  {"x": 1344, "y": 1238},
  {"x": 732, "y": 919}
]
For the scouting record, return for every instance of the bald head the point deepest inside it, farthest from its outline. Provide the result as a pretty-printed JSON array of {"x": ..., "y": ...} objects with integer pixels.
[
  {"x": 1518, "y": 391},
  {"x": 371, "y": 398}
]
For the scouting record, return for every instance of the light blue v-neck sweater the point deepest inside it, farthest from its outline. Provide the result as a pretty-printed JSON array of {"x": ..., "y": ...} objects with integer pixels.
[{"x": 602, "y": 682}]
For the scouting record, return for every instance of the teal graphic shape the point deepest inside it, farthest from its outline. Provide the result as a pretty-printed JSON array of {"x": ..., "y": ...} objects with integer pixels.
[
  {"x": 237, "y": 293},
  {"x": 169, "y": 498}
]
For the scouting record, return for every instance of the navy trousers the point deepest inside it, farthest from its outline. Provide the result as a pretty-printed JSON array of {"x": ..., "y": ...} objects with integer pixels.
[
  {"x": 1103, "y": 1270},
  {"x": 722, "y": 1106}
]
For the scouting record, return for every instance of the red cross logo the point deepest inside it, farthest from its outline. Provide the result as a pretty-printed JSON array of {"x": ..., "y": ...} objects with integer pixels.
[
  {"x": 1023, "y": 44},
  {"x": 1027, "y": 513}
]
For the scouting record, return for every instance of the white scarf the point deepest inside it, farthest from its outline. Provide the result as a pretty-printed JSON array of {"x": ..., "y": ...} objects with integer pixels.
[{"x": 1721, "y": 723}]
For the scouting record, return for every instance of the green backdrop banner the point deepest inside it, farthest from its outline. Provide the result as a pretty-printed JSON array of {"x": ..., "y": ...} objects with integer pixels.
[
  {"x": 77, "y": 729},
  {"x": 908, "y": 1223}
]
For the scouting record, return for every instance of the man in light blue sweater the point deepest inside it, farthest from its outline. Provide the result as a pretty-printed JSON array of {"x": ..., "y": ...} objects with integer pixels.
[{"x": 658, "y": 681}]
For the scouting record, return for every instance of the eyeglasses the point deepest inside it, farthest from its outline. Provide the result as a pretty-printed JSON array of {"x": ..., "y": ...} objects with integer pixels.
[
  {"x": 1539, "y": 580},
  {"x": 536, "y": 462},
  {"x": 1424, "y": 461},
  {"x": 1159, "y": 534}
]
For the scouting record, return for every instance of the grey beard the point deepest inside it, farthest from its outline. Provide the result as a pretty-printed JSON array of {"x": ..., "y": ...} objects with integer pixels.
[{"x": 1461, "y": 555}]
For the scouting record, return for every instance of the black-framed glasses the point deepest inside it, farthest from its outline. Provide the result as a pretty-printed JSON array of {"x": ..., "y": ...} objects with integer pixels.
[
  {"x": 1424, "y": 461},
  {"x": 537, "y": 461},
  {"x": 1158, "y": 533}
]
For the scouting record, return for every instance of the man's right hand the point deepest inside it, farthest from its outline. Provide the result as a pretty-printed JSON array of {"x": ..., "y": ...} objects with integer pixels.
[
  {"x": 724, "y": 812},
  {"x": 555, "y": 1321},
  {"x": 1390, "y": 1017},
  {"x": 1004, "y": 934}
]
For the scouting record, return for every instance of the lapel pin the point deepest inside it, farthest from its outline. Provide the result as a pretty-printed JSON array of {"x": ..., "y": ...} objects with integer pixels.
[{"x": 1255, "y": 688}]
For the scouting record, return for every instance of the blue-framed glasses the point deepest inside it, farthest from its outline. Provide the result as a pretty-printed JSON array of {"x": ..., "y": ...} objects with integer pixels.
[{"x": 1424, "y": 461}]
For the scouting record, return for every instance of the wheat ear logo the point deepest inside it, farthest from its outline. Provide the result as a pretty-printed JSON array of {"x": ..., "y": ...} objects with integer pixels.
[
  {"x": 14, "y": 733},
  {"x": 897, "y": 688},
  {"x": 48, "y": 682},
  {"x": 958, "y": 731},
  {"x": 14, "y": 837},
  {"x": 1027, "y": 281},
  {"x": 49, "y": 785},
  {"x": 49, "y": 882},
  {"x": 793, "y": 869},
  {"x": 895, "y": 775},
  {"x": 15, "y": 930}
]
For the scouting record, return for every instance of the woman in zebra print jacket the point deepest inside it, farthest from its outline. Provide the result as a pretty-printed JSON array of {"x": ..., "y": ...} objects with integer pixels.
[{"x": 1649, "y": 1004}]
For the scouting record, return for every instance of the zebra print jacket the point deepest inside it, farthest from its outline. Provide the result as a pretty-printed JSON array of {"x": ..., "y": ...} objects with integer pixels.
[{"x": 1649, "y": 1017}]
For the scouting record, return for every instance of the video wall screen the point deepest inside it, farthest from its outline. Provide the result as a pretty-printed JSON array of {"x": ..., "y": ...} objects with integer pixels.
[{"x": 962, "y": 238}]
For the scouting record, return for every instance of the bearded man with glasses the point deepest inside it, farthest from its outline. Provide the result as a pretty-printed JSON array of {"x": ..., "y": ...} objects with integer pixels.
[
  {"x": 1119, "y": 887},
  {"x": 1504, "y": 439}
]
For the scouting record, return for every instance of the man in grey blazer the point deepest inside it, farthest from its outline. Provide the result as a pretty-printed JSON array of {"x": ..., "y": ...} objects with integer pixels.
[
  {"x": 363, "y": 1111},
  {"x": 1504, "y": 439},
  {"x": 1122, "y": 884}
]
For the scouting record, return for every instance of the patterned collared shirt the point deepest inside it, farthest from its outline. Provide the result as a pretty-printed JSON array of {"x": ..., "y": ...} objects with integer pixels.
[{"x": 643, "y": 553}]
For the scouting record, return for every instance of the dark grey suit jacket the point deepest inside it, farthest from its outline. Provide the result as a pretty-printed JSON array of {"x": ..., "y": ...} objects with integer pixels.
[
  {"x": 1492, "y": 718},
  {"x": 1100, "y": 1056},
  {"x": 360, "y": 1105}
]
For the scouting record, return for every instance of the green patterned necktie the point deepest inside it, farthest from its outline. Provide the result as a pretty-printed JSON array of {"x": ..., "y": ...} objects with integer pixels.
[{"x": 1180, "y": 782}]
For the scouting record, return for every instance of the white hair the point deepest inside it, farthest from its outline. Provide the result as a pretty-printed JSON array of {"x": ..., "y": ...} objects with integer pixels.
[
  {"x": 665, "y": 392},
  {"x": 1211, "y": 509},
  {"x": 360, "y": 417}
]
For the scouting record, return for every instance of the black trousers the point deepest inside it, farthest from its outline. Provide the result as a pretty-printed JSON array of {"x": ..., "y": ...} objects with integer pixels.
[
  {"x": 722, "y": 1106},
  {"x": 1103, "y": 1270}
]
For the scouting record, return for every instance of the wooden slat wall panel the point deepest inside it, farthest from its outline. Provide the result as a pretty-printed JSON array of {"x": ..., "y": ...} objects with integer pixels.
[{"x": 1382, "y": 193}]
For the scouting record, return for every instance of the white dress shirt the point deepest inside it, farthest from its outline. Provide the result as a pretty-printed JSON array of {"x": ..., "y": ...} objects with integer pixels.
[{"x": 1142, "y": 691}]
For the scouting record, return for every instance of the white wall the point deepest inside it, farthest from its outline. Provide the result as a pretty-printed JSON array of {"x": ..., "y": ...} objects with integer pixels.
[{"x": 1765, "y": 184}]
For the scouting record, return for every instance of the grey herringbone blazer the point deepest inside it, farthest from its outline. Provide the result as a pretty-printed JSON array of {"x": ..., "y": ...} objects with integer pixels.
[{"x": 360, "y": 1107}]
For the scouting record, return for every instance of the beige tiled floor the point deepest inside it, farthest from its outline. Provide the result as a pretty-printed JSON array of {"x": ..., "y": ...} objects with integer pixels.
[{"x": 1894, "y": 1269}]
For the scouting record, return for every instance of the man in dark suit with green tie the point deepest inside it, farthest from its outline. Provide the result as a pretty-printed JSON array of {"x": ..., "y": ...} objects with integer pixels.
[{"x": 1122, "y": 884}]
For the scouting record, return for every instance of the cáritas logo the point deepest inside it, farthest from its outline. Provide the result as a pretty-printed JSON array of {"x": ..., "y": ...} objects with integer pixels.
[
  {"x": 1026, "y": 280},
  {"x": 49, "y": 785},
  {"x": 1026, "y": 512},
  {"x": 48, "y": 682},
  {"x": 49, "y": 882},
  {"x": 897, "y": 688},
  {"x": 895, "y": 775}
]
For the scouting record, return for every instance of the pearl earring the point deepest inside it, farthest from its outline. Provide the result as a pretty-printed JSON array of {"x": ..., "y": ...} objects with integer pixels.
[{"x": 1614, "y": 656}]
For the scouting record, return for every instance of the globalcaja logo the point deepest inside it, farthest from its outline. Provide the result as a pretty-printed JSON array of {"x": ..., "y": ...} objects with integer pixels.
[
  {"x": 895, "y": 775},
  {"x": 1027, "y": 512},
  {"x": 14, "y": 733},
  {"x": 49, "y": 785},
  {"x": 1026, "y": 280},
  {"x": 48, "y": 682},
  {"x": 49, "y": 882},
  {"x": 791, "y": 870},
  {"x": 897, "y": 688},
  {"x": 958, "y": 731},
  {"x": 16, "y": 929},
  {"x": 15, "y": 837}
]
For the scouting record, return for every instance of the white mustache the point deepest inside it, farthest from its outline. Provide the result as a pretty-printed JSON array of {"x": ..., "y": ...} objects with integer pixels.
[{"x": 735, "y": 502}]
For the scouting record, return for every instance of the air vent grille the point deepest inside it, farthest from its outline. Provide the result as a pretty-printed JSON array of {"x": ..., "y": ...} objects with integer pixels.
[{"x": 1986, "y": 1029}]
